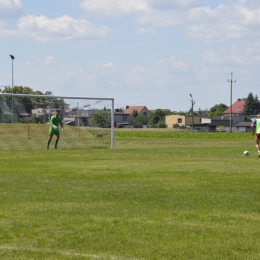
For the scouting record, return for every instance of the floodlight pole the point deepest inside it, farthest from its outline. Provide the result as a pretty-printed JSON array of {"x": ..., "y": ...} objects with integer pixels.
[
  {"x": 12, "y": 57},
  {"x": 112, "y": 124},
  {"x": 231, "y": 81},
  {"x": 192, "y": 104}
]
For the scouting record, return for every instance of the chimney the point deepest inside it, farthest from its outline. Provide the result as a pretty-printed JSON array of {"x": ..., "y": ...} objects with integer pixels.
[{"x": 126, "y": 107}]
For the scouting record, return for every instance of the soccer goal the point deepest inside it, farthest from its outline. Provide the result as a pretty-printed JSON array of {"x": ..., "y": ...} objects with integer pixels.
[{"x": 25, "y": 121}]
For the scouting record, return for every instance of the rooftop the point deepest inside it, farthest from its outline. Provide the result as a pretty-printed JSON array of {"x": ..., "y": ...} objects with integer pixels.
[
  {"x": 237, "y": 107},
  {"x": 130, "y": 109}
]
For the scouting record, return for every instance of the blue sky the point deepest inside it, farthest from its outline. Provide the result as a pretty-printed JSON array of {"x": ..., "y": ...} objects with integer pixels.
[{"x": 140, "y": 52}]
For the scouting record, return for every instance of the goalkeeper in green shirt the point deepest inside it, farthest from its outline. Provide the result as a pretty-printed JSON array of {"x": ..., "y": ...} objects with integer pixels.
[{"x": 54, "y": 128}]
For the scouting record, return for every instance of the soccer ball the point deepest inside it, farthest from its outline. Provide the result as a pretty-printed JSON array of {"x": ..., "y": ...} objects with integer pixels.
[{"x": 246, "y": 153}]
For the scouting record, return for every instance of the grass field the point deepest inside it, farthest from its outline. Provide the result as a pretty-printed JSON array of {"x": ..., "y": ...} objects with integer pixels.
[
  {"x": 35, "y": 136},
  {"x": 157, "y": 195}
]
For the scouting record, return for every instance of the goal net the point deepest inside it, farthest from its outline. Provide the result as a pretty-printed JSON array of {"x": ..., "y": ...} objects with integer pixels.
[{"x": 25, "y": 121}]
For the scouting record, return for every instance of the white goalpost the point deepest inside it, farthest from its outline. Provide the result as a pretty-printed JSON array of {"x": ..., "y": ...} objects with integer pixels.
[{"x": 24, "y": 121}]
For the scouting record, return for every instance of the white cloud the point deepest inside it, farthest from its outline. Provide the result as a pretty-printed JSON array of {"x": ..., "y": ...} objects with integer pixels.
[
  {"x": 142, "y": 30},
  {"x": 236, "y": 56},
  {"x": 170, "y": 4},
  {"x": 70, "y": 76},
  {"x": 44, "y": 29},
  {"x": 28, "y": 64},
  {"x": 109, "y": 65},
  {"x": 235, "y": 19},
  {"x": 121, "y": 7},
  {"x": 138, "y": 69},
  {"x": 222, "y": 58},
  {"x": 175, "y": 64},
  {"x": 157, "y": 13},
  {"x": 49, "y": 60},
  {"x": 161, "y": 18},
  {"x": 2, "y": 24},
  {"x": 253, "y": 49},
  {"x": 225, "y": 22},
  {"x": 114, "y": 7},
  {"x": 135, "y": 78},
  {"x": 10, "y": 7}
]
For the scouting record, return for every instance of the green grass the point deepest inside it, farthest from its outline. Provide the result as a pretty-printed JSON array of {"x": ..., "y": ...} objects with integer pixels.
[
  {"x": 35, "y": 136},
  {"x": 149, "y": 198}
]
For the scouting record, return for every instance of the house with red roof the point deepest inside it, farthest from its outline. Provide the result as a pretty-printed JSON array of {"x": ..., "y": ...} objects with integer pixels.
[
  {"x": 236, "y": 110},
  {"x": 142, "y": 110}
]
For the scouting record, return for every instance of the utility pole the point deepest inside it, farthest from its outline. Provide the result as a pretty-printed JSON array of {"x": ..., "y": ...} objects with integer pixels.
[
  {"x": 192, "y": 104},
  {"x": 12, "y": 58},
  {"x": 231, "y": 81}
]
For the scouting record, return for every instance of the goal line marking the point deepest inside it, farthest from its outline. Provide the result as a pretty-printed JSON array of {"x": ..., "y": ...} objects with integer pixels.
[{"x": 93, "y": 256}]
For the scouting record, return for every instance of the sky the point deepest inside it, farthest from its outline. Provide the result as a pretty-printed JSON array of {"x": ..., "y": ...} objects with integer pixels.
[{"x": 139, "y": 52}]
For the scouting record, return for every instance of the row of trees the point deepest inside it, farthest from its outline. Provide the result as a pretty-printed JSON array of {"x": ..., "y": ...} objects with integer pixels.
[
  {"x": 102, "y": 118},
  {"x": 155, "y": 119},
  {"x": 32, "y": 103},
  {"x": 252, "y": 105}
]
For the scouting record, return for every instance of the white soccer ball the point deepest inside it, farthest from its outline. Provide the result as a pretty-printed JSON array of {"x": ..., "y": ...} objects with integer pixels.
[{"x": 246, "y": 153}]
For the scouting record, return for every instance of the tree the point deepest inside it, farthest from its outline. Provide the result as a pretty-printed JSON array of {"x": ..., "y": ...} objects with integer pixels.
[
  {"x": 183, "y": 113},
  {"x": 219, "y": 107},
  {"x": 135, "y": 113},
  {"x": 159, "y": 116},
  {"x": 136, "y": 119},
  {"x": 216, "y": 113},
  {"x": 162, "y": 124},
  {"x": 20, "y": 90},
  {"x": 139, "y": 120},
  {"x": 101, "y": 118},
  {"x": 32, "y": 103},
  {"x": 217, "y": 110},
  {"x": 252, "y": 105}
]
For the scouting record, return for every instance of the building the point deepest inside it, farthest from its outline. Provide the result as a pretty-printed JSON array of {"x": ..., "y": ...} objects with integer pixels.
[
  {"x": 142, "y": 110},
  {"x": 183, "y": 120},
  {"x": 76, "y": 120},
  {"x": 223, "y": 121},
  {"x": 237, "y": 111},
  {"x": 237, "y": 108},
  {"x": 243, "y": 127},
  {"x": 206, "y": 127},
  {"x": 121, "y": 119}
]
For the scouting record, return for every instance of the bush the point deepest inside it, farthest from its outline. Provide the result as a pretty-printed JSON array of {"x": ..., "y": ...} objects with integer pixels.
[{"x": 162, "y": 125}]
